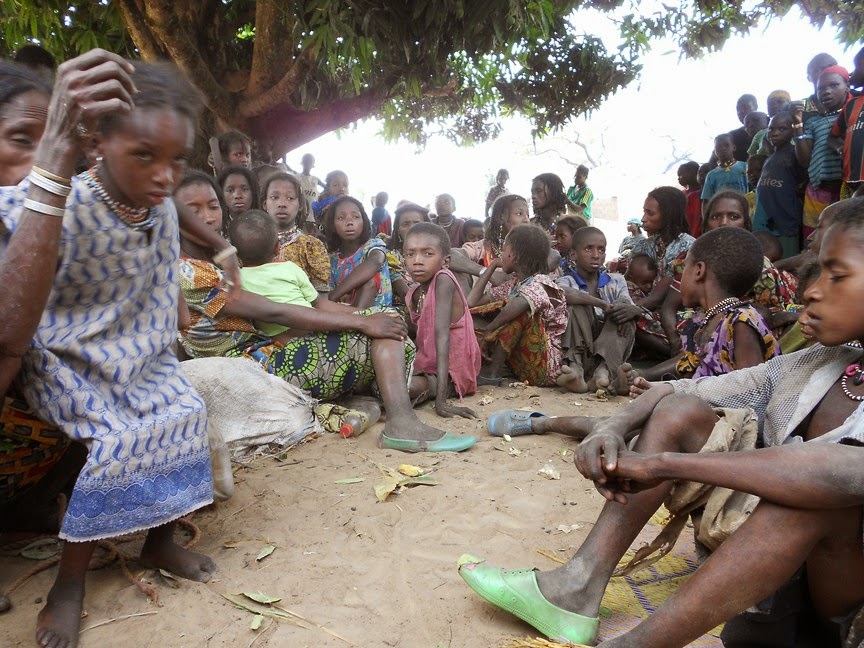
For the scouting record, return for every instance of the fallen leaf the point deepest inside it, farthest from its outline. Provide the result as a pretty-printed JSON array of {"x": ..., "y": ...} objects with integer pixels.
[
  {"x": 260, "y": 597},
  {"x": 350, "y": 480},
  {"x": 567, "y": 528},
  {"x": 514, "y": 452},
  {"x": 266, "y": 551},
  {"x": 41, "y": 549},
  {"x": 396, "y": 485},
  {"x": 170, "y": 579},
  {"x": 485, "y": 400},
  {"x": 257, "y": 620},
  {"x": 410, "y": 471}
]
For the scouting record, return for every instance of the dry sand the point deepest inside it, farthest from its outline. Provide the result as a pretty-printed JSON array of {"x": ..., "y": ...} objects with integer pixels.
[{"x": 375, "y": 573}]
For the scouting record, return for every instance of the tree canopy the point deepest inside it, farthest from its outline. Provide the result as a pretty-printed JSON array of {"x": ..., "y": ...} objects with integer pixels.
[{"x": 287, "y": 71}]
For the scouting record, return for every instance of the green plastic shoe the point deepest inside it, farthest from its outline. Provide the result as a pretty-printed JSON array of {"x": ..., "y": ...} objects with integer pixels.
[
  {"x": 517, "y": 592},
  {"x": 447, "y": 443}
]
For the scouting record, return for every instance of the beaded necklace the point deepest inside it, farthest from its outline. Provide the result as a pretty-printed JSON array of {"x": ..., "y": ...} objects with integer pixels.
[
  {"x": 139, "y": 219},
  {"x": 721, "y": 307}
]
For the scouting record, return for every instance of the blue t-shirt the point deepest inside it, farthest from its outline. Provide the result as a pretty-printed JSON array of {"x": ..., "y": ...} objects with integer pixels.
[
  {"x": 733, "y": 177},
  {"x": 779, "y": 206}
]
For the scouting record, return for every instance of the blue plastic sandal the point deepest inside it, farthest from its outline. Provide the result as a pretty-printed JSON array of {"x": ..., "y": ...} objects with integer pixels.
[{"x": 512, "y": 422}]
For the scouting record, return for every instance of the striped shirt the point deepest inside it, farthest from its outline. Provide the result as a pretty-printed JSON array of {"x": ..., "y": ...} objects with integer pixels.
[{"x": 825, "y": 163}]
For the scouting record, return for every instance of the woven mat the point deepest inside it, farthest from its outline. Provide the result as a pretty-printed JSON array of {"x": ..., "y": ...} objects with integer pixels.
[{"x": 632, "y": 598}]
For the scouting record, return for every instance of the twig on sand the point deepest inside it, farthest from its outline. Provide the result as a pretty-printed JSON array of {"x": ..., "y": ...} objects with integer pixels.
[
  {"x": 119, "y": 618},
  {"x": 551, "y": 556},
  {"x": 262, "y": 633}
]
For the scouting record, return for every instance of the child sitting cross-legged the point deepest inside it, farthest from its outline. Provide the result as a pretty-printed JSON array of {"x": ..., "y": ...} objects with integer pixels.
[
  {"x": 601, "y": 319},
  {"x": 528, "y": 311},
  {"x": 448, "y": 355},
  {"x": 722, "y": 265}
]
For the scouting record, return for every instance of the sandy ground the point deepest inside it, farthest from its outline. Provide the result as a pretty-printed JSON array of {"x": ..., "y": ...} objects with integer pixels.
[{"x": 374, "y": 573}]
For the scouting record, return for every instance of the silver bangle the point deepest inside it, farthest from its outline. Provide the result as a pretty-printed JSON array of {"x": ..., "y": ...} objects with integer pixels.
[
  {"x": 49, "y": 185},
  {"x": 42, "y": 208},
  {"x": 224, "y": 254}
]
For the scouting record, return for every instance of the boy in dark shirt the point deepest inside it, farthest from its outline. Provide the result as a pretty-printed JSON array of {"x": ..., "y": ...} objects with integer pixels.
[{"x": 779, "y": 205}]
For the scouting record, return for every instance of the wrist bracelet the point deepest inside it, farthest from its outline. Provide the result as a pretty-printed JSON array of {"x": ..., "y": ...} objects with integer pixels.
[
  {"x": 224, "y": 254},
  {"x": 51, "y": 176},
  {"x": 42, "y": 208},
  {"x": 801, "y": 137},
  {"x": 49, "y": 185}
]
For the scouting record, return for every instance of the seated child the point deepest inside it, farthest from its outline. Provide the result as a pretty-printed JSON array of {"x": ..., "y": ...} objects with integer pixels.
[
  {"x": 721, "y": 265},
  {"x": 529, "y": 312},
  {"x": 472, "y": 231},
  {"x": 239, "y": 191},
  {"x": 336, "y": 186},
  {"x": 795, "y": 338},
  {"x": 254, "y": 235},
  {"x": 565, "y": 228},
  {"x": 641, "y": 274},
  {"x": 406, "y": 216},
  {"x": 446, "y": 344},
  {"x": 232, "y": 148},
  {"x": 445, "y": 205},
  {"x": 600, "y": 327},
  {"x": 284, "y": 201},
  {"x": 358, "y": 261}
]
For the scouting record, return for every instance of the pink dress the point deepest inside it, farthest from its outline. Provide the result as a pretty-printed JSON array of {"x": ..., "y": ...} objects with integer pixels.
[{"x": 464, "y": 348}]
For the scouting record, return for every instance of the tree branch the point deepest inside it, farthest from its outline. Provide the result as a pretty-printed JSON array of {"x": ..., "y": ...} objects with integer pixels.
[
  {"x": 139, "y": 31},
  {"x": 279, "y": 94},
  {"x": 182, "y": 49},
  {"x": 273, "y": 48}
]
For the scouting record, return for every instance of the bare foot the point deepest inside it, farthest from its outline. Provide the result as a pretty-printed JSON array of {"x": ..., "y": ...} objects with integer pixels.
[
  {"x": 624, "y": 378},
  {"x": 179, "y": 561},
  {"x": 58, "y": 622},
  {"x": 410, "y": 428},
  {"x": 572, "y": 378},
  {"x": 602, "y": 377}
]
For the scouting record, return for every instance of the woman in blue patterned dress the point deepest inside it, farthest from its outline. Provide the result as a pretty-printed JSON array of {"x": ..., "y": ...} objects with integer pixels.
[{"x": 101, "y": 365}]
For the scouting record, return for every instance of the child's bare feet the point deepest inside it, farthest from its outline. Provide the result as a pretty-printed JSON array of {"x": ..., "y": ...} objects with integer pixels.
[
  {"x": 58, "y": 622},
  {"x": 601, "y": 377},
  {"x": 177, "y": 560},
  {"x": 572, "y": 378}
]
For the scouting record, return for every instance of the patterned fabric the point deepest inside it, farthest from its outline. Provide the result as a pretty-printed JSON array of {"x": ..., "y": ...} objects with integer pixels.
[
  {"x": 717, "y": 355},
  {"x": 783, "y": 392},
  {"x": 211, "y": 334},
  {"x": 662, "y": 254},
  {"x": 850, "y": 127},
  {"x": 464, "y": 352},
  {"x": 775, "y": 289},
  {"x": 102, "y": 368},
  {"x": 28, "y": 448},
  {"x": 341, "y": 268},
  {"x": 327, "y": 364},
  {"x": 533, "y": 340},
  {"x": 310, "y": 254}
]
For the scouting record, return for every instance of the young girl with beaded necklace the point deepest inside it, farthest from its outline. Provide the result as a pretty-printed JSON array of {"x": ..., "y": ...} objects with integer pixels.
[
  {"x": 101, "y": 365},
  {"x": 722, "y": 265},
  {"x": 508, "y": 211}
]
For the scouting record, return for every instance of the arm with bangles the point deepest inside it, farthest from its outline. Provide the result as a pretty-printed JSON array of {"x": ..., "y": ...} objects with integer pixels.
[
  {"x": 364, "y": 272},
  {"x": 94, "y": 84}
]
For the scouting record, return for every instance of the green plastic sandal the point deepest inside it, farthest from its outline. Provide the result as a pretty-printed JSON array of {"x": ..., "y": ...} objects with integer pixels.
[{"x": 447, "y": 443}]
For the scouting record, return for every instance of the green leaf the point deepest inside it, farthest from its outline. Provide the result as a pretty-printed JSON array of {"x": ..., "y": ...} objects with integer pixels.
[
  {"x": 266, "y": 551},
  {"x": 350, "y": 480},
  {"x": 257, "y": 620},
  {"x": 260, "y": 597}
]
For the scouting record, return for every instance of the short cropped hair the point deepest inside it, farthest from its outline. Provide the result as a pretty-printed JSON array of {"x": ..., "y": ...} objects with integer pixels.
[
  {"x": 650, "y": 263},
  {"x": 848, "y": 216},
  {"x": 253, "y": 233},
  {"x": 582, "y": 169},
  {"x": 531, "y": 246},
  {"x": 583, "y": 233},
  {"x": 733, "y": 255},
  {"x": 435, "y": 231},
  {"x": 230, "y": 138},
  {"x": 771, "y": 246}
]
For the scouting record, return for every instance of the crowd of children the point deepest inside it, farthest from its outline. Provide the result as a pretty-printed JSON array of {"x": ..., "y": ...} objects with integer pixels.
[{"x": 709, "y": 290}]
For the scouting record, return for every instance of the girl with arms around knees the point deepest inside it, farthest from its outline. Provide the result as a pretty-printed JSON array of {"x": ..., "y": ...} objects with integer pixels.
[
  {"x": 117, "y": 241},
  {"x": 284, "y": 201},
  {"x": 239, "y": 191},
  {"x": 528, "y": 312},
  {"x": 358, "y": 263},
  {"x": 447, "y": 351}
]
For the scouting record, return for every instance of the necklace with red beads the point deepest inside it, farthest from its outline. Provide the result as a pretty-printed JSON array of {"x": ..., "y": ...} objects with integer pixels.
[{"x": 139, "y": 219}]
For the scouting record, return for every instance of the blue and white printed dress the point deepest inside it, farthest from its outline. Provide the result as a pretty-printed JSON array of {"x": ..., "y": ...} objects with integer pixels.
[{"x": 102, "y": 368}]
